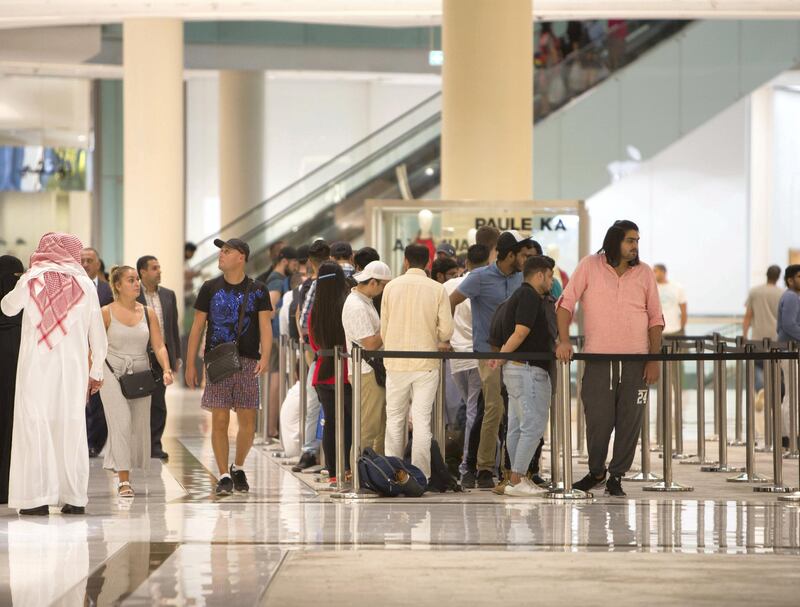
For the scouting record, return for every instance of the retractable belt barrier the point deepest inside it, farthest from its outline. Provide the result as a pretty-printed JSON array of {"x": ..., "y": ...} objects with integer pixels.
[{"x": 670, "y": 359}]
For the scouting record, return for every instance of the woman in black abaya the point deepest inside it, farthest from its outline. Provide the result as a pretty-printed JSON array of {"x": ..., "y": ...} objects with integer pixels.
[{"x": 10, "y": 332}]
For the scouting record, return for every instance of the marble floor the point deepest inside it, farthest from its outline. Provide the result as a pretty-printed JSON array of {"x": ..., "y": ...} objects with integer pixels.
[{"x": 288, "y": 543}]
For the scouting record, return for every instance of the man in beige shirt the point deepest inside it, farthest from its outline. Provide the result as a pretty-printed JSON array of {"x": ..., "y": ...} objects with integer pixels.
[{"x": 415, "y": 316}]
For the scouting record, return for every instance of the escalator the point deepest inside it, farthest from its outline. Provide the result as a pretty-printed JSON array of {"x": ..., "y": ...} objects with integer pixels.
[{"x": 402, "y": 159}]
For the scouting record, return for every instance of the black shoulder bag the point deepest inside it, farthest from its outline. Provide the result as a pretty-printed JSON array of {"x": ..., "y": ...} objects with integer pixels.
[
  {"x": 142, "y": 383},
  {"x": 223, "y": 360}
]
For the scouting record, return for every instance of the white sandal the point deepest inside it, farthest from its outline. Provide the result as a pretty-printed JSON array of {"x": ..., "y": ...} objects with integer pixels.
[{"x": 124, "y": 489}]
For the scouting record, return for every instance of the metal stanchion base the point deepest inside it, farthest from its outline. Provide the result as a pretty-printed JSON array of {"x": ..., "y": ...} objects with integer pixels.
[
  {"x": 736, "y": 443},
  {"x": 663, "y": 487},
  {"x": 791, "y": 497},
  {"x": 643, "y": 478},
  {"x": 355, "y": 494},
  {"x": 560, "y": 493},
  {"x": 725, "y": 468},
  {"x": 774, "y": 489},
  {"x": 746, "y": 478}
]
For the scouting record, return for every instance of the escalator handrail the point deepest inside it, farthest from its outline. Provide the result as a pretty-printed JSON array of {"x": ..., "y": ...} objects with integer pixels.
[{"x": 326, "y": 164}]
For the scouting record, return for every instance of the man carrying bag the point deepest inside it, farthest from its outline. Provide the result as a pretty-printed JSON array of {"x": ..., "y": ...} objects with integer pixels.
[{"x": 238, "y": 342}]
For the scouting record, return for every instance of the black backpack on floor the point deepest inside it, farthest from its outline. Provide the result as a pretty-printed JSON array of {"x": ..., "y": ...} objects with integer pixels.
[{"x": 441, "y": 480}]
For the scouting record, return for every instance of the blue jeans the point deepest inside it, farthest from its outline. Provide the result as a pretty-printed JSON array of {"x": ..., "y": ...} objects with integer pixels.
[{"x": 528, "y": 390}]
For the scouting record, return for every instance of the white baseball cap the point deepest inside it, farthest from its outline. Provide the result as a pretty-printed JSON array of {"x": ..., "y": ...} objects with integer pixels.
[{"x": 374, "y": 269}]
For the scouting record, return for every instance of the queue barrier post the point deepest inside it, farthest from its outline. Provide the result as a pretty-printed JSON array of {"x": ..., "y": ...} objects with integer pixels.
[
  {"x": 262, "y": 421},
  {"x": 740, "y": 364},
  {"x": 564, "y": 490},
  {"x": 303, "y": 379},
  {"x": 580, "y": 450},
  {"x": 645, "y": 475},
  {"x": 677, "y": 384},
  {"x": 555, "y": 467},
  {"x": 792, "y": 391},
  {"x": 282, "y": 364},
  {"x": 794, "y": 403},
  {"x": 356, "y": 492},
  {"x": 750, "y": 475},
  {"x": 667, "y": 484},
  {"x": 766, "y": 442},
  {"x": 773, "y": 404},
  {"x": 721, "y": 406},
  {"x": 338, "y": 366},
  {"x": 659, "y": 446}
]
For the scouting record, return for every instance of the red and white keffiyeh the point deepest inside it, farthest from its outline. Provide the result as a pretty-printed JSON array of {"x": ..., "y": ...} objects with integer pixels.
[{"x": 55, "y": 293}]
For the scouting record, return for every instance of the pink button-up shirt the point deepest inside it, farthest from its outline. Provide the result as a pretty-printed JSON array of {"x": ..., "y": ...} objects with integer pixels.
[{"x": 618, "y": 310}]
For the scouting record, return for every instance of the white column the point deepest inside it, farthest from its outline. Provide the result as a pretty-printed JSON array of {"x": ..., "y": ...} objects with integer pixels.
[
  {"x": 241, "y": 146},
  {"x": 487, "y": 100},
  {"x": 760, "y": 128},
  {"x": 153, "y": 149}
]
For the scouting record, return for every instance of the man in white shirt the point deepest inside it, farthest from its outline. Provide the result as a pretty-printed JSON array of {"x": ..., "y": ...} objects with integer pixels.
[
  {"x": 465, "y": 372},
  {"x": 415, "y": 316},
  {"x": 363, "y": 326},
  {"x": 673, "y": 302}
]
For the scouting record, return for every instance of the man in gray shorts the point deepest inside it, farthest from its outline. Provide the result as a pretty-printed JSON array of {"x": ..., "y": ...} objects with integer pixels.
[{"x": 218, "y": 304}]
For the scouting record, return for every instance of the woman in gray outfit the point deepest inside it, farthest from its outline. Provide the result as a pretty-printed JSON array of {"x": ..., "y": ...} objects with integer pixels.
[{"x": 128, "y": 335}]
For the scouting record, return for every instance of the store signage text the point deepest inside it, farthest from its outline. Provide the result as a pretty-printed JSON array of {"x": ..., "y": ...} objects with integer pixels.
[{"x": 525, "y": 224}]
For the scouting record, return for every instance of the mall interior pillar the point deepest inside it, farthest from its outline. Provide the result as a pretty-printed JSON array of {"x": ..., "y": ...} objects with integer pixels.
[
  {"x": 487, "y": 100},
  {"x": 241, "y": 145},
  {"x": 153, "y": 199}
]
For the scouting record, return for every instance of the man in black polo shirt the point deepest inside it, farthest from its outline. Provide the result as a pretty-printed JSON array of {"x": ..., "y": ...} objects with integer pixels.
[{"x": 527, "y": 382}]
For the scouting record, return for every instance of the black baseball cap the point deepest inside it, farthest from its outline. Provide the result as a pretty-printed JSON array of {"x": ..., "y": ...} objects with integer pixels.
[
  {"x": 287, "y": 253},
  {"x": 341, "y": 250},
  {"x": 302, "y": 253},
  {"x": 234, "y": 243},
  {"x": 512, "y": 240}
]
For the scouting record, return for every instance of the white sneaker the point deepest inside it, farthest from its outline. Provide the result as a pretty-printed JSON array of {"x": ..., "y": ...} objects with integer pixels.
[{"x": 524, "y": 488}]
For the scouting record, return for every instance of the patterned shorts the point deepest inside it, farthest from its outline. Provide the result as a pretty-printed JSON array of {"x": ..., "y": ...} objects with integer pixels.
[{"x": 239, "y": 391}]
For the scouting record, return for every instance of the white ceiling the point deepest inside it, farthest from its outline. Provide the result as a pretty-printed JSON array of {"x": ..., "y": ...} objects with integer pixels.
[{"x": 28, "y": 13}]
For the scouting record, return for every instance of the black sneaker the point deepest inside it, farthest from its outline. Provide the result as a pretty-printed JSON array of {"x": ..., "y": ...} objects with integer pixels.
[
  {"x": 225, "y": 486},
  {"x": 485, "y": 479},
  {"x": 307, "y": 460},
  {"x": 614, "y": 486},
  {"x": 239, "y": 480},
  {"x": 539, "y": 481},
  {"x": 468, "y": 480},
  {"x": 589, "y": 482}
]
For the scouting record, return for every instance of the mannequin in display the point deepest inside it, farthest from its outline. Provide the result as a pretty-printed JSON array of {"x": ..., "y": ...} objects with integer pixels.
[
  {"x": 425, "y": 236},
  {"x": 560, "y": 277}
]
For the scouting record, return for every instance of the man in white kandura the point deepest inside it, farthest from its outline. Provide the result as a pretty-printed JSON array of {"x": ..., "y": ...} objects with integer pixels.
[{"x": 60, "y": 325}]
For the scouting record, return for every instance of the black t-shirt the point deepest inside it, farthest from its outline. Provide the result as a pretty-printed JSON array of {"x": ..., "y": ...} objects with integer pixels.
[
  {"x": 221, "y": 302},
  {"x": 526, "y": 307}
]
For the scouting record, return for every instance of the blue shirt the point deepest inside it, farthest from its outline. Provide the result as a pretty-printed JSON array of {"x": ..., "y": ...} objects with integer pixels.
[
  {"x": 486, "y": 289},
  {"x": 789, "y": 316}
]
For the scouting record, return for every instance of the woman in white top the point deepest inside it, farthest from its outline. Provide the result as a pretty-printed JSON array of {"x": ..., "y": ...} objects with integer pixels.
[{"x": 128, "y": 336}]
